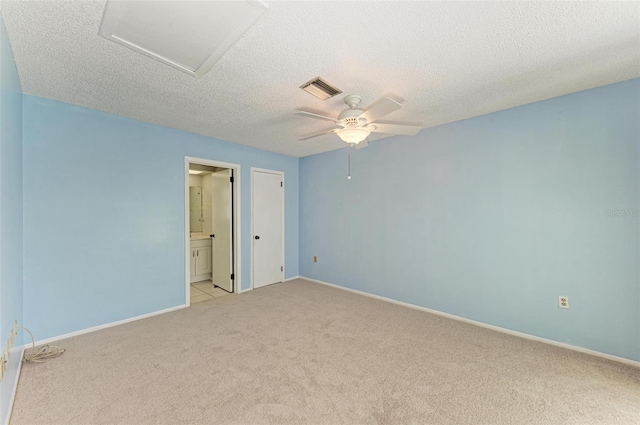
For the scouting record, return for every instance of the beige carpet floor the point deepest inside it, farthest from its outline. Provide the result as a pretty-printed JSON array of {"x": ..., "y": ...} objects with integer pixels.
[{"x": 304, "y": 353}]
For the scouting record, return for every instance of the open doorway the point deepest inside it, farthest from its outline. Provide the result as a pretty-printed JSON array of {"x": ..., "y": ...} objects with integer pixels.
[{"x": 211, "y": 229}]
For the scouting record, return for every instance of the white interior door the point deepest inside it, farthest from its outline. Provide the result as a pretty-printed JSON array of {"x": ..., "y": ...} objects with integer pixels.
[
  {"x": 222, "y": 259},
  {"x": 267, "y": 208}
]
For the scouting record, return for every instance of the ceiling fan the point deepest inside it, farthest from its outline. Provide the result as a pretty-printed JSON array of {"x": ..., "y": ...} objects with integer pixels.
[{"x": 354, "y": 125}]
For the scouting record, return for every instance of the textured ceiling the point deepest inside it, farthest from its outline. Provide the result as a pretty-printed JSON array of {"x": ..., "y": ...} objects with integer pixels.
[{"x": 446, "y": 60}]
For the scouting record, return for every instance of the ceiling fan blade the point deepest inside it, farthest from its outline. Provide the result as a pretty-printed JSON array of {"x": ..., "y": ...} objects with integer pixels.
[
  {"x": 362, "y": 144},
  {"x": 382, "y": 107},
  {"x": 315, "y": 115},
  {"x": 320, "y": 133},
  {"x": 390, "y": 128}
]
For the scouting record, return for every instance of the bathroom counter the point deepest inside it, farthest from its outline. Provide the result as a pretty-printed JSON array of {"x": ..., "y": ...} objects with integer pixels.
[{"x": 198, "y": 238}]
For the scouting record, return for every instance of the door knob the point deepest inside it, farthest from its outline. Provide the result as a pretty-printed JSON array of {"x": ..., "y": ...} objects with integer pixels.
[{"x": 257, "y": 237}]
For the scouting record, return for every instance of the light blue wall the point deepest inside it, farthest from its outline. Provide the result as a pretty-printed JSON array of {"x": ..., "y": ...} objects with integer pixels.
[
  {"x": 10, "y": 212},
  {"x": 104, "y": 214},
  {"x": 493, "y": 217}
]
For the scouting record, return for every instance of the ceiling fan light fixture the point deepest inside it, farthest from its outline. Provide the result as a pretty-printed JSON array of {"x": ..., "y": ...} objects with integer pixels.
[{"x": 353, "y": 135}]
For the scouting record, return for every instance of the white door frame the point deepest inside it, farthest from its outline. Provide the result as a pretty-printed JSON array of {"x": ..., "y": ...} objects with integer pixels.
[
  {"x": 281, "y": 174},
  {"x": 236, "y": 222}
]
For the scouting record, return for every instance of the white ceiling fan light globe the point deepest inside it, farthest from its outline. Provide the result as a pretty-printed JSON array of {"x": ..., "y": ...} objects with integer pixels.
[{"x": 353, "y": 135}]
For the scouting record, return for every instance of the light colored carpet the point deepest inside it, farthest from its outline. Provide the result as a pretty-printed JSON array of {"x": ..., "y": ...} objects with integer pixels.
[{"x": 304, "y": 353}]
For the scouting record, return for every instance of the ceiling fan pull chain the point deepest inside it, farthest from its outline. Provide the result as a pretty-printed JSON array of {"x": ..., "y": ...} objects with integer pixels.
[{"x": 350, "y": 149}]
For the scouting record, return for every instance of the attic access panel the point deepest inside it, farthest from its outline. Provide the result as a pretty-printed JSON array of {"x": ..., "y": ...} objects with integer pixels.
[{"x": 188, "y": 35}]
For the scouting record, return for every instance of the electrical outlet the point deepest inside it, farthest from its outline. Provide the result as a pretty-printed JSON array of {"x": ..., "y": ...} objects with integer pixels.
[
  {"x": 2, "y": 366},
  {"x": 563, "y": 302},
  {"x": 315, "y": 259},
  {"x": 12, "y": 336},
  {"x": 4, "y": 359}
]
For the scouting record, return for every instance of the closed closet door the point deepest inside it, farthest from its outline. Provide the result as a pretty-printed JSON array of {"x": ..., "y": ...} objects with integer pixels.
[{"x": 267, "y": 207}]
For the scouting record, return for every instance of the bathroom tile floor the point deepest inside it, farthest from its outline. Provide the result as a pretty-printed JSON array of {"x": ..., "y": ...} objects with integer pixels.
[{"x": 205, "y": 290}]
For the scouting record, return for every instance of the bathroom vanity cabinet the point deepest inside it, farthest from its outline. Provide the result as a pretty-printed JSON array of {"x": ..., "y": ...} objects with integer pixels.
[{"x": 200, "y": 259}]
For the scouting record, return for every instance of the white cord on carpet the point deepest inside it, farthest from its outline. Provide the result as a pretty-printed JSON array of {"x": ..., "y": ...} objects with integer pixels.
[{"x": 44, "y": 352}]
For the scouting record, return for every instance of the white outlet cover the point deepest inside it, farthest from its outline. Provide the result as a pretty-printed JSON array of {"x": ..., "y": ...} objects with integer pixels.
[{"x": 563, "y": 301}]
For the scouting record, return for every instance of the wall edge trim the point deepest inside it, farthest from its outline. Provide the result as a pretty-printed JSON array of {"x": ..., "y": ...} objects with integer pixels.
[
  {"x": 108, "y": 325},
  {"x": 485, "y": 325},
  {"x": 292, "y": 278},
  {"x": 14, "y": 388}
]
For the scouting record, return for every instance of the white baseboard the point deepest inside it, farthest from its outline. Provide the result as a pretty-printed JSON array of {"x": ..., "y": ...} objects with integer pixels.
[
  {"x": 286, "y": 280},
  {"x": 485, "y": 325},
  {"x": 107, "y": 325},
  {"x": 14, "y": 387},
  {"x": 291, "y": 278}
]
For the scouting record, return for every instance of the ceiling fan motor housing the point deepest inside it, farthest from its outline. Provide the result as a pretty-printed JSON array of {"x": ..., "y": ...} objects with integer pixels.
[{"x": 349, "y": 117}]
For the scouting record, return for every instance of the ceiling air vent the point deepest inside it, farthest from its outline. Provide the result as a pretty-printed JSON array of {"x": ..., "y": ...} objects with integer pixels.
[{"x": 320, "y": 88}]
